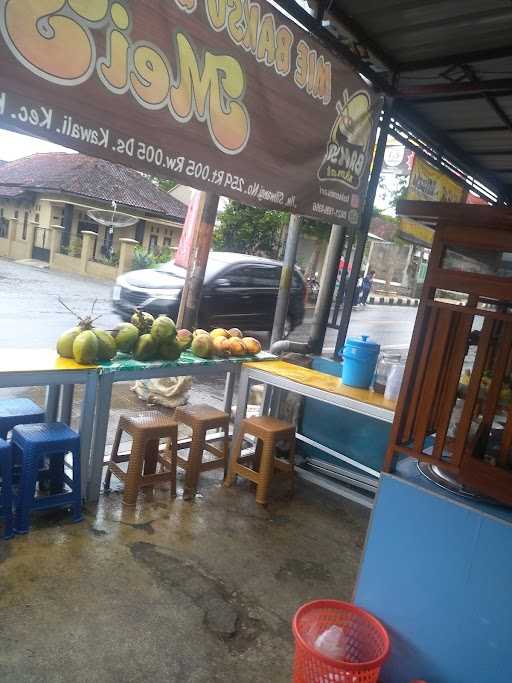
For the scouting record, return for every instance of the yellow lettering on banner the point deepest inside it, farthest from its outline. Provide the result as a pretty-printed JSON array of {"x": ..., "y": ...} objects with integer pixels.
[
  {"x": 187, "y": 6},
  {"x": 322, "y": 88},
  {"x": 216, "y": 13},
  {"x": 266, "y": 50},
  {"x": 92, "y": 10},
  {"x": 211, "y": 96},
  {"x": 150, "y": 77},
  {"x": 311, "y": 72},
  {"x": 236, "y": 30},
  {"x": 301, "y": 64},
  {"x": 284, "y": 42},
  {"x": 252, "y": 21},
  {"x": 113, "y": 69},
  {"x": 56, "y": 48}
]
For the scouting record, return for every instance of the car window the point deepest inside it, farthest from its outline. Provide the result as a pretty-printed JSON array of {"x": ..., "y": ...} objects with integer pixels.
[
  {"x": 265, "y": 276},
  {"x": 297, "y": 281}
]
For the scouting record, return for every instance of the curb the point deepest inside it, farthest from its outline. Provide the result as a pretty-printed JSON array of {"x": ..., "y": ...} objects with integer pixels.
[{"x": 393, "y": 300}]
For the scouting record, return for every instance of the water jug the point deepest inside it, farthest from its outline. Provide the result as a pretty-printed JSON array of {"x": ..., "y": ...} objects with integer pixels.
[{"x": 359, "y": 360}]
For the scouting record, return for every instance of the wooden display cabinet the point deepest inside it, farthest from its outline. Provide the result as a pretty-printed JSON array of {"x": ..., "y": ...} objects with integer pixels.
[{"x": 455, "y": 403}]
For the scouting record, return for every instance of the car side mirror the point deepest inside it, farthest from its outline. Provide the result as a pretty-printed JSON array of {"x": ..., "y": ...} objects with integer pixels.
[{"x": 222, "y": 282}]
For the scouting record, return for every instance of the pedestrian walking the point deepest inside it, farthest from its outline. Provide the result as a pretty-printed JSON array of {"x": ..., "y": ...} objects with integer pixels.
[{"x": 366, "y": 286}]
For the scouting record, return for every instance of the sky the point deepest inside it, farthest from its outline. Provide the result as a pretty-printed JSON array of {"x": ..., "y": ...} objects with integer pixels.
[{"x": 14, "y": 146}]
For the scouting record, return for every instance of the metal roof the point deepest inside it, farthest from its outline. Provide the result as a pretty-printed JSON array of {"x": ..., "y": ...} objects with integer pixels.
[{"x": 447, "y": 64}]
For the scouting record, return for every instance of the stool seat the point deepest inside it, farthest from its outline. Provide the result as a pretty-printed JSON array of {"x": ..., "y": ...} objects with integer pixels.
[
  {"x": 48, "y": 437},
  {"x": 15, "y": 411},
  {"x": 47, "y": 440},
  {"x": 201, "y": 417},
  {"x": 146, "y": 429},
  {"x": 268, "y": 431},
  {"x": 6, "y": 487},
  {"x": 201, "y": 414}
]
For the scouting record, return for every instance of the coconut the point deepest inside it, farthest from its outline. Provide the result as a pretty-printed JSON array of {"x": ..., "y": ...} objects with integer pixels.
[
  {"x": 146, "y": 348},
  {"x": 235, "y": 332},
  {"x": 169, "y": 350},
  {"x": 163, "y": 329},
  {"x": 202, "y": 346},
  {"x": 65, "y": 342},
  {"x": 252, "y": 345},
  {"x": 126, "y": 336},
  {"x": 220, "y": 346},
  {"x": 85, "y": 348},
  {"x": 219, "y": 332},
  {"x": 142, "y": 321},
  {"x": 106, "y": 345},
  {"x": 236, "y": 347},
  {"x": 184, "y": 338},
  {"x": 199, "y": 332}
]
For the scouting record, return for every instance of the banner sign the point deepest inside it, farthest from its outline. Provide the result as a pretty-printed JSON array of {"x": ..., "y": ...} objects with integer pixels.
[
  {"x": 427, "y": 184},
  {"x": 398, "y": 160},
  {"x": 227, "y": 96}
]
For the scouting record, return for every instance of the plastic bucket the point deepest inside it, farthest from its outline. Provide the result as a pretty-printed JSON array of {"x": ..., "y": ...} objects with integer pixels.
[
  {"x": 367, "y": 644},
  {"x": 359, "y": 360}
]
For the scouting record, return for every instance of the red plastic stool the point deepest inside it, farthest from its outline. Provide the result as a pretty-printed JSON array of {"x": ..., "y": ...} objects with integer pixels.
[{"x": 367, "y": 644}]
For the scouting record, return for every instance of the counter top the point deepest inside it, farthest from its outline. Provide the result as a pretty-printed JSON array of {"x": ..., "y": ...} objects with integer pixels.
[{"x": 321, "y": 380}]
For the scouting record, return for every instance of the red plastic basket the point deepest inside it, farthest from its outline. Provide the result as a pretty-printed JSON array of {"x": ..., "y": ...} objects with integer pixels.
[{"x": 367, "y": 644}]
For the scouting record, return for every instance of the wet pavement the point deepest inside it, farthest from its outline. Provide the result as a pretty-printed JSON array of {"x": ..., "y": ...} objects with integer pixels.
[{"x": 173, "y": 591}]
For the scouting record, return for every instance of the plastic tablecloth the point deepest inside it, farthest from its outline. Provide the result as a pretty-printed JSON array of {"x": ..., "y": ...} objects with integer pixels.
[{"x": 126, "y": 362}]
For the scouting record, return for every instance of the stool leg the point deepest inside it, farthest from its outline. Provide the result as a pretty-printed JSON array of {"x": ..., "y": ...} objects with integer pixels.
[
  {"x": 77, "y": 488},
  {"x": 236, "y": 449},
  {"x": 113, "y": 457},
  {"x": 195, "y": 456},
  {"x": 56, "y": 473},
  {"x": 134, "y": 472},
  {"x": 266, "y": 472},
  {"x": 225, "y": 449},
  {"x": 6, "y": 498},
  {"x": 29, "y": 473},
  {"x": 292, "y": 465},
  {"x": 256, "y": 459},
  {"x": 173, "y": 445},
  {"x": 151, "y": 456}
]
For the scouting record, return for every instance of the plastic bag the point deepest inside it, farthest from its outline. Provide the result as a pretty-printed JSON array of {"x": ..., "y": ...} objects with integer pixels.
[{"x": 166, "y": 391}]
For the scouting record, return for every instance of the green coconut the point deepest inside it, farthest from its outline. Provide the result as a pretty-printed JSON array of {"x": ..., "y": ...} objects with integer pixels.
[
  {"x": 126, "y": 336},
  {"x": 146, "y": 348},
  {"x": 65, "y": 342},
  {"x": 85, "y": 348},
  {"x": 143, "y": 321},
  {"x": 202, "y": 346},
  {"x": 106, "y": 345},
  {"x": 170, "y": 350},
  {"x": 184, "y": 338},
  {"x": 163, "y": 329}
]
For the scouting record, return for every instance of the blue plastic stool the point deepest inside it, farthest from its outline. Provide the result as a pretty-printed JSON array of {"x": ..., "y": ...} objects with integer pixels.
[
  {"x": 35, "y": 442},
  {"x": 18, "y": 411},
  {"x": 6, "y": 487}
]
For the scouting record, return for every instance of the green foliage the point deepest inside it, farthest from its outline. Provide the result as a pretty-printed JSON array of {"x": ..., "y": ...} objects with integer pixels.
[
  {"x": 313, "y": 228},
  {"x": 74, "y": 248},
  {"x": 249, "y": 230},
  {"x": 146, "y": 259}
]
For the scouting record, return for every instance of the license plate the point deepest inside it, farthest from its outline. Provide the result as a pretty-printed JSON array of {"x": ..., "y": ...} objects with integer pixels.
[{"x": 116, "y": 293}]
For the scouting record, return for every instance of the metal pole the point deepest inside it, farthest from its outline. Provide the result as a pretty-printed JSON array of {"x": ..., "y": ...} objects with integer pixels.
[
  {"x": 327, "y": 284},
  {"x": 362, "y": 233},
  {"x": 343, "y": 279},
  {"x": 290, "y": 254},
  {"x": 198, "y": 266}
]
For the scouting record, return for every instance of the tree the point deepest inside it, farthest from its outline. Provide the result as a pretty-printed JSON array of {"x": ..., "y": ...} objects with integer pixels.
[{"x": 249, "y": 230}]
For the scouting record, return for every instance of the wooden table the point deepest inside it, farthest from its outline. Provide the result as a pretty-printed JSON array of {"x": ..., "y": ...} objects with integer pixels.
[{"x": 281, "y": 375}]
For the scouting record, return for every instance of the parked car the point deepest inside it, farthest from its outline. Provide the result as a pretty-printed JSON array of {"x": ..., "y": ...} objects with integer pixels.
[{"x": 239, "y": 291}]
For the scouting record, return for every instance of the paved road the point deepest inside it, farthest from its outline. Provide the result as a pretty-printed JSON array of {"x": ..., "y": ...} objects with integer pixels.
[{"x": 31, "y": 316}]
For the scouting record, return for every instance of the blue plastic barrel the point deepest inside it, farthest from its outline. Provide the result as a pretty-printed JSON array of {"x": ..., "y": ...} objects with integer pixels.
[{"x": 359, "y": 360}]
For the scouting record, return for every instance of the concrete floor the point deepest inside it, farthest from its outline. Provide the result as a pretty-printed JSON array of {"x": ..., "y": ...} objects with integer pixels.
[{"x": 173, "y": 591}]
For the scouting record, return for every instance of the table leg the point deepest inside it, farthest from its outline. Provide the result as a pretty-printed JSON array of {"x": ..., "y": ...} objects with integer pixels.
[
  {"x": 66, "y": 408},
  {"x": 267, "y": 399},
  {"x": 86, "y": 428},
  {"x": 52, "y": 402},
  {"x": 228, "y": 392},
  {"x": 100, "y": 438},
  {"x": 242, "y": 399}
]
